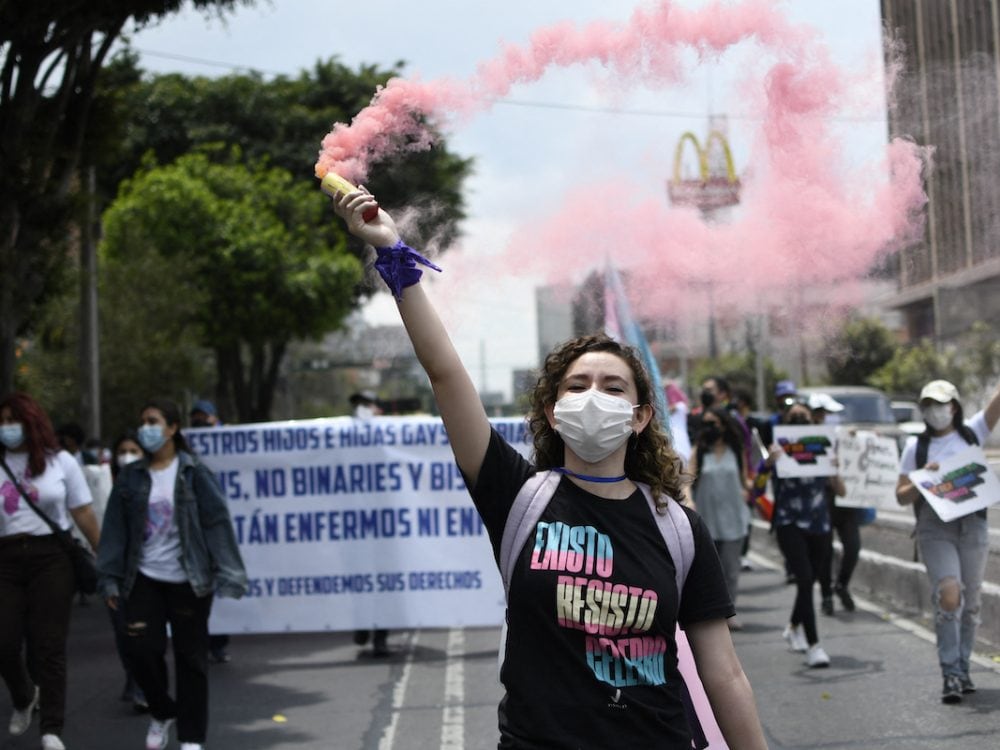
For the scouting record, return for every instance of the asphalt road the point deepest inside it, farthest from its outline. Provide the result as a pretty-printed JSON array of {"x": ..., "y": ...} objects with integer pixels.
[{"x": 438, "y": 688}]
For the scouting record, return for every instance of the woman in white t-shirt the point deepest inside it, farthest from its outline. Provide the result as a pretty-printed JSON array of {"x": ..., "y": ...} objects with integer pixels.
[
  {"x": 36, "y": 576},
  {"x": 167, "y": 547},
  {"x": 954, "y": 552}
]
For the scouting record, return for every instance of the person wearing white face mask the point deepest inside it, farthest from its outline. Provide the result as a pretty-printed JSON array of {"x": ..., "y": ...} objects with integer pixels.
[
  {"x": 167, "y": 548},
  {"x": 954, "y": 552},
  {"x": 593, "y": 599}
]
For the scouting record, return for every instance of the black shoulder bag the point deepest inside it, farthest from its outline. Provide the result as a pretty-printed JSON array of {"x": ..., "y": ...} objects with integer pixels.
[{"x": 84, "y": 563}]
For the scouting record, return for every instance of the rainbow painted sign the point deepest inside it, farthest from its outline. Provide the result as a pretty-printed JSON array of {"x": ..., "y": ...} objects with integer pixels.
[
  {"x": 962, "y": 484},
  {"x": 807, "y": 450}
]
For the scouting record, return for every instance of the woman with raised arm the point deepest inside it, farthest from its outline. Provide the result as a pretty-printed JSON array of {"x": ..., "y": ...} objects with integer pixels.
[
  {"x": 954, "y": 552},
  {"x": 591, "y": 655}
]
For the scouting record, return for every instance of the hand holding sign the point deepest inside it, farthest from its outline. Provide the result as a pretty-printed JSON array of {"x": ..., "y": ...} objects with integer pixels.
[{"x": 960, "y": 485}]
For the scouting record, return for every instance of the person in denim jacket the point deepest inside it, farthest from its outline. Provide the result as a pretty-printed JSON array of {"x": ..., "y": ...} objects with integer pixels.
[{"x": 167, "y": 547}]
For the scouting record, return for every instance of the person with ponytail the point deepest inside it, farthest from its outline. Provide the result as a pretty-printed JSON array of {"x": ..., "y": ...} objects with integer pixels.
[{"x": 168, "y": 546}]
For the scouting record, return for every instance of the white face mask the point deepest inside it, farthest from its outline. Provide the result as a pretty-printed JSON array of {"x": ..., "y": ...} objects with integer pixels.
[
  {"x": 938, "y": 416},
  {"x": 124, "y": 459},
  {"x": 364, "y": 412},
  {"x": 12, "y": 435},
  {"x": 593, "y": 424}
]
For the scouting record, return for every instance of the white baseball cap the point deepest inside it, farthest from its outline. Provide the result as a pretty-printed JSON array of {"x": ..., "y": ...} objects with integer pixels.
[
  {"x": 824, "y": 401},
  {"x": 939, "y": 390}
]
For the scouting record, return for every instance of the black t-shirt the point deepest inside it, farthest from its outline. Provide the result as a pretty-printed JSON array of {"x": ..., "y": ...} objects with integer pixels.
[{"x": 591, "y": 660}]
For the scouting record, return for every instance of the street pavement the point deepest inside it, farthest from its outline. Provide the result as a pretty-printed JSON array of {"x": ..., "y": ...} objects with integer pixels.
[{"x": 438, "y": 688}]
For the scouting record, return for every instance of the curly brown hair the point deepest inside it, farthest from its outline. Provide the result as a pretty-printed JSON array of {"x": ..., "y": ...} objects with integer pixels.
[{"x": 649, "y": 457}]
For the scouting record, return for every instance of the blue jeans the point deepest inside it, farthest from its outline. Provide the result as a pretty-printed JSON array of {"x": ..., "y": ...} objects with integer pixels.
[{"x": 958, "y": 551}]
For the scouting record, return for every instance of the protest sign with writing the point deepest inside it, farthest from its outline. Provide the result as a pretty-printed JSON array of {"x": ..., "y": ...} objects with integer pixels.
[
  {"x": 347, "y": 523},
  {"x": 869, "y": 465}
]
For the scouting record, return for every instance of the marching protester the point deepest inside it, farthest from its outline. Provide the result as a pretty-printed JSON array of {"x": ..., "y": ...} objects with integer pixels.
[
  {"x": 677, "y": 406},
  {"x": 802, "y": 523},
  {"x": 594, "y": 426},
  {"x": 125, "y": 450},
  {"x": 204, "y": 414},
  {"x": 36, "y": 574},
  {"x": 954, "y": 552},
  {"x": 364, "y": 405},
  {"x": 719, "y": 491},
  {"x": 845, "y": 521},
  {"x": 168, "y": 547}
]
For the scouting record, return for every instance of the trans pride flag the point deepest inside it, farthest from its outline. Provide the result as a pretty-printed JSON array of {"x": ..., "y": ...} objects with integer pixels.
[{"x": 621, "y": 326}]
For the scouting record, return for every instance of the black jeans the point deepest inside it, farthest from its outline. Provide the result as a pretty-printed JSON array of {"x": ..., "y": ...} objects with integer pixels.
[
  {"x": 845, "y": 521},
  {"x": 805, "y": 554},
  {"x": 36, "y": 596},
  {"x": 150, "y": 606}
]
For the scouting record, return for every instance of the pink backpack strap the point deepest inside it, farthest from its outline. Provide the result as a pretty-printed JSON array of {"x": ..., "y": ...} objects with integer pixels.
[
  {"x": 529, "y": 504},
  {"x": 675, "y": 528}
]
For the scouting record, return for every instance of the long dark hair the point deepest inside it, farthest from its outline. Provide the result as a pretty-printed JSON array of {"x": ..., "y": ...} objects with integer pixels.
[
  {"x": 648, "y": 458},
  {"x": 172, "y": 414},
  {"x": 731, "y": 436},
  {"x": 39, "y": 435}
]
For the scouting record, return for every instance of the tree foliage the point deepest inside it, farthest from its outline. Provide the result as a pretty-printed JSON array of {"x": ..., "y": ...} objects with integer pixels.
[
  {"x": 913, "y": 366},
  {"x": 857, "y": 350},
  {"x": 262, "y": 262},
  {"x": 51, "y": 55}
]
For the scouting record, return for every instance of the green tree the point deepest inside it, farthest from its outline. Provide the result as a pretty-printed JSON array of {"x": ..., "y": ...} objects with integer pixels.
[
  {"x": 262, "y": 262},
  {"x": 284, "y": 119},
  {"x": 857, "y": 350},
  {"x": 51, "y": 55},
  {"x": 912, "y": 367}
]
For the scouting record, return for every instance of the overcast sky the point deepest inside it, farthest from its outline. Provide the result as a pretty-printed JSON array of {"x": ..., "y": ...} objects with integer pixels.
[{"x": 535, "y": 146}]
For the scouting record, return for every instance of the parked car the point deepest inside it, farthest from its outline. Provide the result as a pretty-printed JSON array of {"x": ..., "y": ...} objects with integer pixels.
[{"x": 908, "y": 416}]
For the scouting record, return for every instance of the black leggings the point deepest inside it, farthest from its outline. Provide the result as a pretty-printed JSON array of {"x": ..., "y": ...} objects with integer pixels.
[
  {"x": 845, "y": 521},
  {"x": 805, "y": 554}
]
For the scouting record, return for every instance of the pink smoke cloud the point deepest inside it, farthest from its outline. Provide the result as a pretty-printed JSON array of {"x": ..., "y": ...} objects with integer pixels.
[{"x": 806, "y": 216}]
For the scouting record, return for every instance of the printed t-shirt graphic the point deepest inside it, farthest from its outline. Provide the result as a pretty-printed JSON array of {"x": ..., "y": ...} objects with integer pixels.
[
  {"x": 590, "y": 657},
  {"x": 615, "y": 616},
  {"x": 161, "y": 542}
]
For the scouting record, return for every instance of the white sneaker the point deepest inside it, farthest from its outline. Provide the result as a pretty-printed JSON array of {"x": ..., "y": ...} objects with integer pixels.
[
  {"x": 52, "y": 742},
  {"x": 21, "y": 720},
  {"x": 796, "y": 638},
  {"x": 816, "y": 657},
  {"x": 159, "y": 734}
]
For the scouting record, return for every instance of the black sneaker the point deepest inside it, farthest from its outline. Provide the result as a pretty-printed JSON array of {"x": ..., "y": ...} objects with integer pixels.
[
  {"x": 827, "y": 605},
  {"x": 952, "y": 692},
  {"x": 968, "y": 686},
  {"x": 845, "y": 598}
]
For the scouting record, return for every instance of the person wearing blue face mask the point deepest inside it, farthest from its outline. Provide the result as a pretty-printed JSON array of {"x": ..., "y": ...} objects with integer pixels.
[
  {"x": 168, "y": 546},
  {"x": 594, "y": 598}
]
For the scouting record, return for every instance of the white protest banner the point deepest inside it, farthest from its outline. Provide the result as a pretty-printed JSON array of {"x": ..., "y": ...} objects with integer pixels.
[
  {"x": 962, "y": 484},
  {"x": 808, "y": 450},
  {"x": 346, "y": 524},
  {"x": 869, "y": 465}
]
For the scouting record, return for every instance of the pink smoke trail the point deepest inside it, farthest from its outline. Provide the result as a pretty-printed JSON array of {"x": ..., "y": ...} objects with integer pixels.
[{"x": 805, "y": 217}]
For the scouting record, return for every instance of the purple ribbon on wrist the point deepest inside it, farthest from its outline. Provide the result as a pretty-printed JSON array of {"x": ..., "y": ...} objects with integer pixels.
[{"x": 397, "y": 265}]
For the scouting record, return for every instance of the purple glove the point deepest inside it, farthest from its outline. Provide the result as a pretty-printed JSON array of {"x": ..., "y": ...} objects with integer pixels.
[{"x": 397, "y": 265}]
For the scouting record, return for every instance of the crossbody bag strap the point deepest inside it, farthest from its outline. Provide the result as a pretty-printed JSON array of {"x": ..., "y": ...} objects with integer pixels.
[{"x": 41, "y": 514}]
